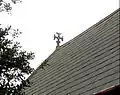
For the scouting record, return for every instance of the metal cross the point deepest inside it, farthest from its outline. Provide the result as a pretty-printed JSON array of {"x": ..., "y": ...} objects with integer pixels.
[{"x": 58, "y": 38}]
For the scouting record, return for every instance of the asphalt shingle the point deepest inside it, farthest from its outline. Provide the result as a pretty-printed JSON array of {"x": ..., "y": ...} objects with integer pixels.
[{"x": 84, "y": 65}]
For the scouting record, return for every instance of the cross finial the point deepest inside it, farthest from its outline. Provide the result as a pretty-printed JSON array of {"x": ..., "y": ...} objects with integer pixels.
[{"x": 58, "y": 38}]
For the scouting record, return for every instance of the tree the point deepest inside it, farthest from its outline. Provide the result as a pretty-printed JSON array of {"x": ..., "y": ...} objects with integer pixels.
[
  {"x": 6, "y": 6},
  {"x": 14, "y": 62}
]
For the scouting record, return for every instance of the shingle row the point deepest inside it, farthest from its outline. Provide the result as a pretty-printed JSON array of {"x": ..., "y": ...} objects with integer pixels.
[{"x": 84, "y": 65}]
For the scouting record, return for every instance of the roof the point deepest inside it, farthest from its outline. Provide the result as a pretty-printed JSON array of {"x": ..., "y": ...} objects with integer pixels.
[
  {"x": 84, "y": 65},
  {"x": 115, "y": 90}
]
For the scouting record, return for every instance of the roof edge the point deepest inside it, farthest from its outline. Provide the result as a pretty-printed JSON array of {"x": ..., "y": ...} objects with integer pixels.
[
  {"x": 106, "y": 17},
  {"x": 39, "y": 67},
  {"x": 94, "y": 25},
  {"x": 107, "y": 90}
]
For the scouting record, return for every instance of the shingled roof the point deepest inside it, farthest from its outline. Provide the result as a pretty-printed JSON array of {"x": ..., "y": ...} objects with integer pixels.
[
  {"x": 84, "y": 65},
  {"x": 110, "y": 91}
]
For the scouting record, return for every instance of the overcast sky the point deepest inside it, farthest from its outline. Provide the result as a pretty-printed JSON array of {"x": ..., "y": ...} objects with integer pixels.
[{"x": 39, "y": 20}]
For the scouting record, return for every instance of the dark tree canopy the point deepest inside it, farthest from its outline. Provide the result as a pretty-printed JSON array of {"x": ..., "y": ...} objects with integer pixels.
[
  {"x": 14, "y": 62},
  {"x": 6, "y": 6}
]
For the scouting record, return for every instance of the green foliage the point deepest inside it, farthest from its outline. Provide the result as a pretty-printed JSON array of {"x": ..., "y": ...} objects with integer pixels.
[{"x": 14, "y": 62}]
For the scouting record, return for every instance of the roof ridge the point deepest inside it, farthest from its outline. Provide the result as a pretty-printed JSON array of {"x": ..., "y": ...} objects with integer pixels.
[
  {"x": 94, "y": 25},
  {"x": 65, "y": 44}
]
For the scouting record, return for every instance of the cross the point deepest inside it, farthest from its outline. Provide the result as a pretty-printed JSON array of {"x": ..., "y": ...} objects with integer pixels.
[{"x": 58, "y": 38}]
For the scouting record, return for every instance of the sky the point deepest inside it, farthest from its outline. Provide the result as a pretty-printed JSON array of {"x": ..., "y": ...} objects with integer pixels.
[{"x": 39, "y": 20}]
